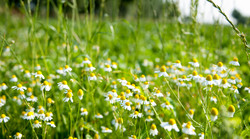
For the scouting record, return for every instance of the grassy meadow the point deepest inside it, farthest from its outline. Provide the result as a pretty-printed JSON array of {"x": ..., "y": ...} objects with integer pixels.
[{"x": 94, "y": 76}]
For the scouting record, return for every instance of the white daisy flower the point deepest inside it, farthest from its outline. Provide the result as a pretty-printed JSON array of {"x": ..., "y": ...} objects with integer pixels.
[
  {"x": 106, "y": 130},
  {"x": 90, "y": 68},
  {"x": 170, "y": 125},
  {"x": 136, "y": 114},
  {"x": 208, "y": 81},
  {"x": 110, "y": 98},
  {"x": 84, "y": 112},
  {"x": 92, "y": 77},
  {"x": 63, "y": 85},
  {"x": 149, "y": 119},
  {"x": 213, "y": 99},
  {"x": 235, "y": 62},
  {"x": 80, "y": 94},
  {"x": 4, "y": 86},
  {"x": 13, "y": 78},
  {"x": 225, "y": 84},
  {"x": 68, "y": 97},
  {"x": 126, "y": 105},
  {"x": 61, "y": 71},
  {"x": 46, "y": 86},
  {"x": 18, "y": 135},
  {"x": 38, "y": 74},
  {"x": 4, "y": 118},
  {"x": 32, "y": 98},
  {"x": 114, "y": 65},
  {"x": 86, "y": 61},
  {"x": 52, "y": 124},
  {"x": 162, "y": 72},
  {"x": 37, "y": 124},
  {"x": 30, "y": 115},
  {"x": 177, "y": 64},
  {"x": 143, "y": 78},
  {"x": 19, "y": 87},
  {"x": 232, "y": 80},
  {"x": 107, "y": 68},
  {"x": 67, "y": 69},
  {"x": 123, "y": 81},
  {"x": 231, "y": 111},
  {"x": 99, "y": 116},
  {"x": 247, "y": 89},
  {"x": 158, "y": 93},
  {"x": 48, "y": 116},
  {"x": 194, "y": 63},
  {"x": 220, "y": 67},
  {"x": 214, "y": 114},
  {"x": 187, "y": 128},
  {"x": 153, "y": 131},
  {"x": 167, "y": 105}
]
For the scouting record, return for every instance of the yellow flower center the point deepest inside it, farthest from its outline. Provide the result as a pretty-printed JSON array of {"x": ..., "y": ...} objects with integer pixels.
[
  {"x": 188, "y": 124},
  {"x": 235, "y": 59},
  {"x": 92, "y": 74},
  {"x": 184, "y": 77},
  {"x": 29, "y": 89},
  {"x": 127, "y": 91},
  {"x": 120, "y": 120},
  {"x": 47, "y": 114},
  {"x": 191, "y": 112},
  {"x": 209, "y": 78},
  {"x": 216, "y": 77},
  {"x": 123, "y": 98},
  {"x": 39, "y": 72},
  {"x": 233, "y": 78},
  {"x": 220, "y": 64},
  {"x": 167, "y": 103},
  {"x": 127, "y": 103},
  {"x": 146, "y": 83},
  {"x": 52, "y": 122},
  {"x": 214, "y": 112},
  {"x": 30, "y": 113},
  {"x": 66, "y": 66},
  {"x": 80, "y": 92},
  {"x": 36, "y": 122},
  {"x": 231, "y": 108},
  {"x": 86, "y": 59},
  {"x": 60, "y": 68},
  {"x": 3, "y": 116},
  {"x": 19, "y": 85},
  {"x": 114, "y": 83},
  {"x": 64, "y": 82},
  {"x": 107, "y": 66},
  {"x": 163, "y": 69},
  {"x": 195, "y": 60},
  {"x": 32, "y": 96},
  {"x": 90, "y": 65},
  {"x": 172, "y": 121},
  {"x": 194, "y": 73},
  {"x": 177, "y": 61},
  {"x": 17, "y": 133},
  {"x": 110, "y": 96},
  {"x": 113, "y": 90},
  {"x": 69, "y": 95},
  {"x": 13, "y": 76},
  {"x": 224, "y": 81},
  {"x": 49, "y": 100},
  {"x": 45, "y": 83},
  {"x": 153, "y": 126},
  {"x": 136, "y": 112},
  {"x": 40, "y": 112},
  {"x": 137, "y": 96},
  {"x": 96, "y": 136}
]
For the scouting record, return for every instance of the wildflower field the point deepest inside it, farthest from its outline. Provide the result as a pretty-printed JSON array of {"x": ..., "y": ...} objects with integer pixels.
[{"x": 92, "y": 76}]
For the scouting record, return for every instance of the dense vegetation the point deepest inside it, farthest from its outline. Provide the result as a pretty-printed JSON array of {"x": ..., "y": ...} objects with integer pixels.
[{"x": 95, "y": 76}]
